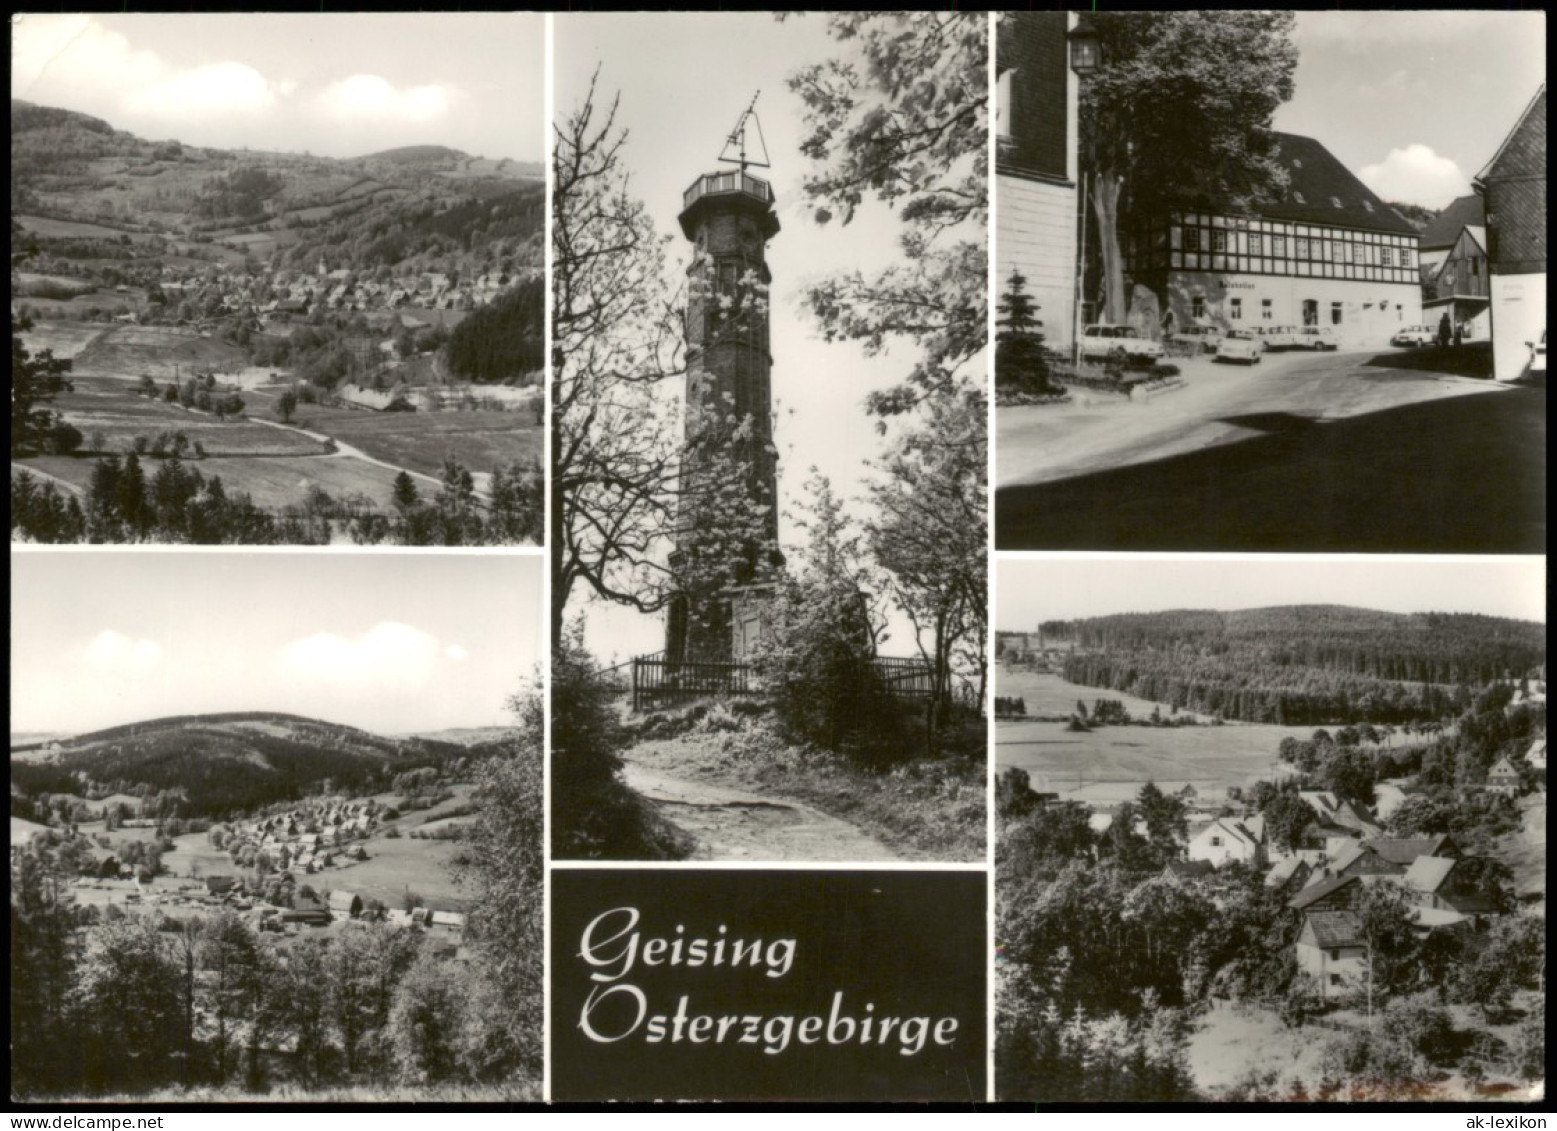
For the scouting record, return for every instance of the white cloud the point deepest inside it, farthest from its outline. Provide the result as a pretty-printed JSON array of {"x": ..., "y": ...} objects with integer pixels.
[
  {"x": 113, "y": 653},
  {"x": 76, "y": 61},
  {"x": 1416, "y": 175},
  {"x": 49, "y": 50},
  {"x": 456, "y": 653},
  {"x": 389, "y": 656},
  {"x": 212, "y": 89},
  {"x": 375, "y": 99}
]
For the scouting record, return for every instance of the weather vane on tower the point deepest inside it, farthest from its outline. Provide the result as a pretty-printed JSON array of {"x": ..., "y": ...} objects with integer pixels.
[{"x": 737, "y": 139}]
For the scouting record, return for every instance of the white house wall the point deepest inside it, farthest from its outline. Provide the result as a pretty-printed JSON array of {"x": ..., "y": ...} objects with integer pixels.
[
  {"x": 1518, "y": 317},
  {"x": 1035, "y": 233},
  {"x": 1371, "y": 312}
]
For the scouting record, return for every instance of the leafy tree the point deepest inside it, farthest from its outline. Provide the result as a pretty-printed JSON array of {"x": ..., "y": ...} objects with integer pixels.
[
  {"x": 236, "y": 973},
  {"x": 817, "y": 660},
  {"x": 305, "y": 1012},
  {"x": 1287, "y": 819},
  {"x": 1512, "y": 957},
  {"x": 43, "y": 1035},
  {"x": 363, "y": 967},
  {"x": 900, "y": 117},
  {"x": 36, "y": 379},
  {"x": 1350, "y": 772},
  {"x": 1014, "y": 794},
  {"x": 1167, "y": 825},
  {"x": 1388, "y": 923},
  {"x": 1047, "y": 839},
  {"x": 127, "y": 989},
  {"x": 286, "y": 405},
  {"x": 595, "y": 816},
  {"x": 929, "y": 538},
  {"x": 425, "y": 1021},
  {"x": 615, "y": 339},
  {"x": 1179, "y": 116},
  {"x": 507, "y": 847}
]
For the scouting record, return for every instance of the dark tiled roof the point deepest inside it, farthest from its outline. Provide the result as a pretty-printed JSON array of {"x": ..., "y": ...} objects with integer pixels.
[
  {"x": 1323, "y": 191},
  {"x": 1317, "y": 891},
  {"x": 1191, "y": 869},
  {"x": 1445, "y": 228},
  {"x": 1336, "y": 928},
  {"x": 1405, "y": 850}
]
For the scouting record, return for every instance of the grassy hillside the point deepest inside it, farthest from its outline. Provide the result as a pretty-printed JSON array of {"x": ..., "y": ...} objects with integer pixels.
[{"x": 221, "y": 763}]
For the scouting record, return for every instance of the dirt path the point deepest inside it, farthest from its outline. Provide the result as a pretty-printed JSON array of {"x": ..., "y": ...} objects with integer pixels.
[{"x": 732, "y": 824}]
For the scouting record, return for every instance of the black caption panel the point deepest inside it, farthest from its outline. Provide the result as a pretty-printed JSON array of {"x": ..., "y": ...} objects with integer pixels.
[{"x": 773, "y": 985}]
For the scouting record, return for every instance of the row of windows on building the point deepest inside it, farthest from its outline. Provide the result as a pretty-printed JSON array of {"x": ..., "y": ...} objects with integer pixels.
[
  {"x": 1295, "y": 247},
  {"x": 1235, "y": 306},
  {"x": 1244, "y": 264}
]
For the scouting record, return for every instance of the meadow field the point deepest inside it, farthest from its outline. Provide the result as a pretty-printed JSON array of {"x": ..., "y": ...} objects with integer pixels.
[
  {"x": 479, "y": 439},
  {"x": 1110, "y": 764},
  {"x": 166, "y": 353}
]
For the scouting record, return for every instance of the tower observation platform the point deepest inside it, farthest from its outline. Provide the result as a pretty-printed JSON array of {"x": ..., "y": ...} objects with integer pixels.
[{"x": 736, "y": 191}]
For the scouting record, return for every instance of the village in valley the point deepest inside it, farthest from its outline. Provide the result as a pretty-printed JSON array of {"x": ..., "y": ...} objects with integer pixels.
[
  {"x": 307, "y": 348},
  {"x": 286, "y": 872},
  {"x": 1308, "y": 842},
  {"x": 209, "y": 901}
]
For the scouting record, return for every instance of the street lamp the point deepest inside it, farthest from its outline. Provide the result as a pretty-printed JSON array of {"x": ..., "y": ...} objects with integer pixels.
[{"x": 1086, "y": 54}]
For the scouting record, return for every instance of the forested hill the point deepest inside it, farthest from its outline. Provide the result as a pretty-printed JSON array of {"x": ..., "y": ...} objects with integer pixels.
[
  {"x": 1301, "y": 664},
  {"x": 221, "y": 763}
]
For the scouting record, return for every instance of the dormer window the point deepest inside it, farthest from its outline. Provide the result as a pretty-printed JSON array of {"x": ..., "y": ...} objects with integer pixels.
[
  {"x": 1335, "y": 200},
  {"x": 1296, "y": 163},
  {"x": 1368, "y": 204},
  {"x": 1297, "y": 196}
]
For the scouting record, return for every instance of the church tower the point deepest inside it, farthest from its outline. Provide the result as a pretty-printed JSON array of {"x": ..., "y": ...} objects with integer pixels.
[{"x": 729, "y": 468}]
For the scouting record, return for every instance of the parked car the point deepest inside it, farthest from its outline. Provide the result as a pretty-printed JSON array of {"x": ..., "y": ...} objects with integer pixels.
[
  {"x": 1320, "y": 338},
  {"x": 1202, "y": 339},
  {"x": 1281, "y": 337},
  {"x": 1102, "y": 340},
  {"x": 1415, "y": 336},
  {"x": 1538, "y": 354},
  {"x": 1241, "y": 345}
]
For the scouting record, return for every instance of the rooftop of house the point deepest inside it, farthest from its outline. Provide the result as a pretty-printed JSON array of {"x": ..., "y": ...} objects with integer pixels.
[
  {"x": 1319, "y": 890},
  {"x": 1535, "y": 115},
  {"x": 1234, "y": 828},
  {"x": 1321, "y": 190},
  {"x": 1283, "y": 871},
  {"x": 1336, "y": 928},
  {"x": 1404, "y": 850},
  {"x": 1428, "y": 873}
]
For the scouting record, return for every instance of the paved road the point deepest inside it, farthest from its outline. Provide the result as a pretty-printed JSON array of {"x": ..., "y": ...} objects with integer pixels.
[{"x": 1340, "y": 452}]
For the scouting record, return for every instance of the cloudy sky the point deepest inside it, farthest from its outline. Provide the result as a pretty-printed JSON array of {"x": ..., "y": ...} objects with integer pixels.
[
  {"x": 684, "y": 80},
  {"x": 1415, "y": 103},
  {"x": 1029, "y": 591},
  {"x": 337, "y": 85},
  {"x": 389, "y": 642}
]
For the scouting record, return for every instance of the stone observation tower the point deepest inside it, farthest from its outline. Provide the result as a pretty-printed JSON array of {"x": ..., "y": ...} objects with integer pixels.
[{"x": 727, "y": 522}]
